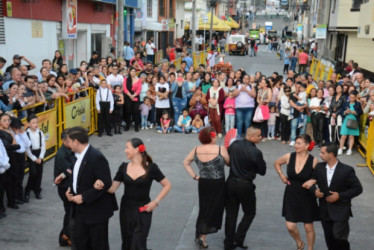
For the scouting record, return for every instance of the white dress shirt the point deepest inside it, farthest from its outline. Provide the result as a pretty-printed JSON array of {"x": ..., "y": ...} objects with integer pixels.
[
  {"x": 330, "y": 172},
  {"x": 35, "y": 144},
  {"x": 23, "y": 141},
  {"x": 104, "y": 95},
  {"x": 77, "y": 165}
]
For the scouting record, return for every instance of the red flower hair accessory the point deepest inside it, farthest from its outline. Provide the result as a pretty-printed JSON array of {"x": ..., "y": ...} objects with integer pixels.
[
  {"x": 311, "y": 146},
  {"x": 141, "y": 148},
  {"x": 213, "y": 134}
]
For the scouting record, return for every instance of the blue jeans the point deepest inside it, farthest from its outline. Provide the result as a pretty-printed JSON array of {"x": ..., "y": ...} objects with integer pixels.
[
  {"x": 293, "y": 64},
  {"x": 243, "y": 115},
  {"x": 294, "y": 125},
  {"x": 168, "y": 130},
  {"x": 229, "y": 122},
  {"x": 144, "y": 121},
  {"x": 180, "y": 129},
  {"x": 178, "y": 105},
  {"x": 197, "y": 130},
  {"x": 253, "y": 51}
]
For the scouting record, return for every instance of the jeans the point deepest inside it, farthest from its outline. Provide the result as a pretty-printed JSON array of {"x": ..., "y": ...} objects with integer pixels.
[
  {"x": 253, "y": 51},
  {"x": 197, "y": 130},
  {"x": 294, "y": 125},
  {"x": 229, "y": 122},
  {"x": 144, "y": 121},
  {"x": 168, "y": 130},
  {"x": 178, "y": 105},
  {"x": 182, "y": 129},
  {"x": 271, "y": 129},
  {"x": 293, "y": 64},
  {"x": 243, "y": 115},
  {"x": 151, "y": 58},
  {"x": 281, "y": 52}
]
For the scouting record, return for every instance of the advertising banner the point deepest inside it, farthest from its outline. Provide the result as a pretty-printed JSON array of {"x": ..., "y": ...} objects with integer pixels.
[
  {"x": 321, "y": 31},
  {"x": 78, "y": 113},
  {"x": 71, "y": 19}
]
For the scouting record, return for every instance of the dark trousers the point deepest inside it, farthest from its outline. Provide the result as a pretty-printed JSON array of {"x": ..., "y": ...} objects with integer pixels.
[
  {"x": 238, "y": 192},
  {"x": 336, "y": 234},
  {"x": 285, "y": 127},
  {"x": 19, "y": 162},
  {"x": 88, "y": 237},
  {"x": 35, "y": 175},
  {"x": 8, "y": 184},
  {"x": 277, "y": 126},
  {"x": 67, "y": 207},
  {"x": 285, "y": 68},
  {"x": 302, "y": 68},
  {"x": 318, "y": 121},
  {"x": 132, "y": 112},
  {"x": 117, "y": 116},
  {"x": 104, "y": 118},
  {"x": 2, "y": 190}
]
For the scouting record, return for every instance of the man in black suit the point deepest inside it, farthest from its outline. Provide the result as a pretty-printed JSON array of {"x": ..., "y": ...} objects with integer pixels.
[
  {"x": 64, "y": 163},
  {"x": 91, "y": 208},
  {"x": 337, "y": 185}
]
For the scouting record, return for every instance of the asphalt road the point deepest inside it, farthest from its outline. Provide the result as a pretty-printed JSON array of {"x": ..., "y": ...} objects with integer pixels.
[{"x": 36, "y": 225}]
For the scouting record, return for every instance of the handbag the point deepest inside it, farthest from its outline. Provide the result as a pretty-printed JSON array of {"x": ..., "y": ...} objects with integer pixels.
[
  {"x": 265, "y": 112},
  {"x": 352, "y": 124},
  {"x": 258, "y": 117}
]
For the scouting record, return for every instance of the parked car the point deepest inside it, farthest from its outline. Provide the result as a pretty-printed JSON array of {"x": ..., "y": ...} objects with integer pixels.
[{"x": 238, "y": 44}]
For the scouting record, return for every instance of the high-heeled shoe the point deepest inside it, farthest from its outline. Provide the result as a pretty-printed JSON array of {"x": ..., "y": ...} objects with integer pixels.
[
  {"x": 203, "y": 243},
  {"x": 301, "y": 247}
]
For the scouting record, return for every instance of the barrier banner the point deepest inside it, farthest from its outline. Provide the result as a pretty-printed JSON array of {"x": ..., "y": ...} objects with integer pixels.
[
  {"x": 196, "y": 59},
  {"x": 177, "y": 63},
  {"x": 78, "y": 113},
  {"x": 159, "y": 55}
]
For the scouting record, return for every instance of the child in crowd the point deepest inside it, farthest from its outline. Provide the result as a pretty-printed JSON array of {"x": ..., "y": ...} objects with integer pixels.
[
  {"x": 271, "y": 123},
  {"x": 229, "y": 107},
  {"x": 104, "y": 106},
  {"x": 19, "y": 157},
  {"x": 145, "y": 107},
  {"x": 35, "y": 156},
  {"x": 302, "y": 100},
  {"x": 184, "y": 122},
  {"x": 206, "y": 121},
  {"x": 164, "y": 127},
  {"x": 151, "y": 94},
  {"x": 197, "y": 124},
  {"x": 118, "y": 108}
]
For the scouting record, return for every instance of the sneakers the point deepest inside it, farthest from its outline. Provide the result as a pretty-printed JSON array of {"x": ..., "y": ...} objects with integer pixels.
[
  {"x": 301, "y": 124},
  {"x": 290, "y": 117},
  {"x": 292, "y": 143},
  {"x": 146, "y": 128},
  {"x": 219, "y": 135},
  {"x": 194, "y": 132},
  {"x": 349, "y": 152},
  {"x": 143, "y": 128},
  {"x": 151, "y": 126},
  {"x": 159, "y": 131},
  {"x": 340, "y": 151},
  {"x": 269, "y": 138}
]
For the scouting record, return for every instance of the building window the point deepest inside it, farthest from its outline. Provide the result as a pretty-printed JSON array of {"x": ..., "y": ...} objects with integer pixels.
[
  {"x": 171, "y": 8},
  {"x": 161, "y": 7},
  {"x": 356, "y": 4},
  {"x": 149, "y": 8}
]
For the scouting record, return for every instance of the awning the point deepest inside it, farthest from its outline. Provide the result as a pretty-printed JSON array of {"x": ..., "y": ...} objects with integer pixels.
[
  {"x": 218, "y": 25},
  {"x": 231, "y": 22}
]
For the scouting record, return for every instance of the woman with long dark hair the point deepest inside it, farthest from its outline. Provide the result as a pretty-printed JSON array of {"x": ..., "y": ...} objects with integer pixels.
[
  {"x": 336, "y": 119},
  {"x": 132, "y": 86},
  {"x": 298, "y": 204},
  {"x": 57, "y": 61},
  {"x": 136, "y": 204},
  {"x": 210, "y": 159}
]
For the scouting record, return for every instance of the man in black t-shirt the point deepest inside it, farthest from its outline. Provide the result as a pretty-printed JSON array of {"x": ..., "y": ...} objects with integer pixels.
[{"x": 246, "y": 161}]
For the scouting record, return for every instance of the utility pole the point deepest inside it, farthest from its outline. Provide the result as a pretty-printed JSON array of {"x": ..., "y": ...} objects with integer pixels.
[
  {"x": 120, "y": 28},
  {"x": 193, "y": 25},
  {"x": 212, "y": 4}
]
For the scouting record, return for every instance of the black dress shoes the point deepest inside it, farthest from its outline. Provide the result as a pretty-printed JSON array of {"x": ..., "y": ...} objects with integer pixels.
[
  {"x": 38, "y": 196},
  {"x": 27, "y": 197},
  {"x": 14, "y": 206},
  {"x": 136, "y": 129},
  {"x": 100, "y": 135},
  {"x": 110, "y": 134},
  {"x": 241, "y": 245},
  {"x": 19, "y": 202}
]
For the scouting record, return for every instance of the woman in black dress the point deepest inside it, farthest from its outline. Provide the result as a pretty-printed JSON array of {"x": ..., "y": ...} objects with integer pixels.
[
  {"x": 8, "y": 180},
  {"x": 137, "y": 175},
  {"x": 210, "y": 159},
  {"x": 298, "y": 204},
  {"x": 118, "y": 108}
]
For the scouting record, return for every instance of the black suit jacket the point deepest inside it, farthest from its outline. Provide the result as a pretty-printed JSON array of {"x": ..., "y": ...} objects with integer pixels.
[
  {"x": 64, "y": 160},
  {"x": 98, "y": 205},
  {"x": 345, "y": 182}
]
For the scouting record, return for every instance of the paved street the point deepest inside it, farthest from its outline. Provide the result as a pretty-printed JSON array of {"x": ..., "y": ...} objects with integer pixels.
[{"x": 37, "y": 224}]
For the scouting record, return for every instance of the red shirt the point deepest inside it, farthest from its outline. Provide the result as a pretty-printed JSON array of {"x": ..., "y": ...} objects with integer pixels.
[
  {"x": 303, "y": 58},
  {"x": 171, "y": 56}
]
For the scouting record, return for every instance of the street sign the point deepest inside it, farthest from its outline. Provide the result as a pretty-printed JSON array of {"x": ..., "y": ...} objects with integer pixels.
[{"x": 205, "y": 19}]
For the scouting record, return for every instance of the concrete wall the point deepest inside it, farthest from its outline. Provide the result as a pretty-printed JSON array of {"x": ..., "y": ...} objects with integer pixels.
[
  {"x": 179, "y": 19},
  {"x": 361, "y": 50},
  {"x": 342, "y": 16},
  {"x": 18, "y": 35}
]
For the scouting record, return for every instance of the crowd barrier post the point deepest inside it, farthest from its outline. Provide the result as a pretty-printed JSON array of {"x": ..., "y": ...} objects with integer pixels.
[
  {"x": 197, "y": 59},
  {"x": 366, "y": 142},
  {"x": 177, "y": 63},
  {"x": 370, "y": 147}
]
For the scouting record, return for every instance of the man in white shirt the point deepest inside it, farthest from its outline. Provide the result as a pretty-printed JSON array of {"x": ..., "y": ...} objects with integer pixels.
[
  {"x": 337, "y": 186},
  {"x": 150, "y": 48},
  {"x": 91, "y": 208},
  {"x": 114, "y": 79}
]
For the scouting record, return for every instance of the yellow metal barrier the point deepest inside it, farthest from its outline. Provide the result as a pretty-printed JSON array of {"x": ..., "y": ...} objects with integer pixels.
[
  {"x": 197, "y": 59},
  {"x": 319, "y": 71},
  {"x": 366, "y": 141}
]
